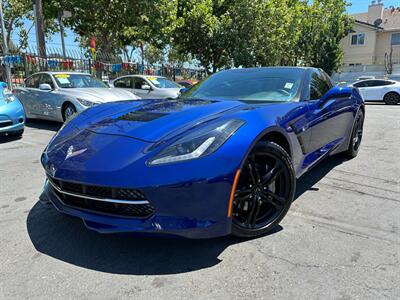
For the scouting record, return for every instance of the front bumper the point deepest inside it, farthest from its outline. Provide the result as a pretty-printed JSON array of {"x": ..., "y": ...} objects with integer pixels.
[
  {"x": 11, "y": 124},
  {"x": 12, "y": 117},
  {"x": 170, "y": 218}
]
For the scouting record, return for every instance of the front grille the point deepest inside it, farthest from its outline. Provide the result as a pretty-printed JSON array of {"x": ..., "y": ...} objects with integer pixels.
[
  {"x": 81, "y": 192},
  {"x": 5, "y": 124},
  {"x": 98, "y": 191}
]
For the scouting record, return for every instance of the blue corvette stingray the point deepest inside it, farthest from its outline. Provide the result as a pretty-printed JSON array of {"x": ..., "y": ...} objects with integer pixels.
[
  {"x": 223, "y": 158},
  {"x": 12, "y": 114}
]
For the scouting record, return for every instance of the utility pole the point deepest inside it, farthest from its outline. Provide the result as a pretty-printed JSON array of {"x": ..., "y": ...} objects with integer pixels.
[
  {"x": 5, "y": 46},
  {"x": 61, "y": 16},
  {"x": 39, "y": 25}
]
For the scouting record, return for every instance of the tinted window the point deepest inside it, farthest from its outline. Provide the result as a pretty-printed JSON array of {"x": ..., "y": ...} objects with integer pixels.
[
  {"x": 46, "y": 79},
  {"x": 360, "y": 84},
  {"x": 376, "y": 83},
  {"x": 139, "y": 82},
  {"x": 33, "y": 81},
  {"x": 250, "y": 85},
  {"x": 318, "y": 86},
  {"x": 126, "y": 82}
]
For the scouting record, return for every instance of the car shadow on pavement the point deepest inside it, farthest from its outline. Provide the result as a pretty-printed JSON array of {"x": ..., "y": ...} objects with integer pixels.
[
  {"x": 67, "y": 239},
  {"x": 43, "y": 124},
  {"x": 8, "y": 138},
  {"x": 313, "y": 176}
]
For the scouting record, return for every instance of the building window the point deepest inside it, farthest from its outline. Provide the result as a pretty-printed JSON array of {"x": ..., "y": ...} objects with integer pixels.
[
  {"x": 358, "y": 39},
  {"x": 395, "y": 39}
]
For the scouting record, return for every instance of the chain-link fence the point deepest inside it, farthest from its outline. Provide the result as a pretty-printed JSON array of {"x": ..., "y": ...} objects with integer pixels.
[{"x": 105, "y": 66}]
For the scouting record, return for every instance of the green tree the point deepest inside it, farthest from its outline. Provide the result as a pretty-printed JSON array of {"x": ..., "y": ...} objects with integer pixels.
[
  {"x": 325, "y": 24},
  {"x": 16, "y": 12}
]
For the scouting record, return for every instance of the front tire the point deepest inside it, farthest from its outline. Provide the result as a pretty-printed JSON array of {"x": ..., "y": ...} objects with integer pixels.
[
  {"x": 264, "y": 192},
  {"x": 391, "y": 98},
  {"x": 68, "y": 111}
]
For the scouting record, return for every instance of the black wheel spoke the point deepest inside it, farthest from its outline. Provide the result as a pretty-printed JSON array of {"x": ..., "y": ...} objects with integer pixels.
[
  {"x": 243, "y": 193},
  {"x": 257, "y": 211},
  {"x": 271, "y": 174},
  {"x": 243, "y": 198},
  {"x": 253, "y": 173},
  {"x": 274, "y": 199},
  {"x": 250, "y": 215}
]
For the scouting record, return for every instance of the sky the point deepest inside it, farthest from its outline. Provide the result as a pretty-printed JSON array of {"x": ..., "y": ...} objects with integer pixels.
[
  {"x": 55, "y": 41},
  {"x": 362, "y": 5}
]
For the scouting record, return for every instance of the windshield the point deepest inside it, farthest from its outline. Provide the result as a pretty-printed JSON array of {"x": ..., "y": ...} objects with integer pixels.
[
  {"x": 163, "y": 83},
  {"x": 78, "y": 81},
  {"x": 250, "y": 85}
]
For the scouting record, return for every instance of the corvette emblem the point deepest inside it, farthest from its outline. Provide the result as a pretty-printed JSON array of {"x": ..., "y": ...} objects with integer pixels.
[{"x": 72, "y": 153}]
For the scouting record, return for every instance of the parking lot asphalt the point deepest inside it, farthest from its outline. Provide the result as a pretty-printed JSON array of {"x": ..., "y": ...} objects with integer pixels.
[{"x": 340, "y": 240}]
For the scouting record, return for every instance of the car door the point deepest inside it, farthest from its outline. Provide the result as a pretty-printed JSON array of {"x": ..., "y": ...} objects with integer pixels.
[
  {"x": 138, "y": 84},
  {"x": 329, "y": 118},
  {"x": 124, "y": 83},
  {"x": 49, "y": 100},
  {"x": 28, "y": 95},
  {"x": 371, "y": 90}
]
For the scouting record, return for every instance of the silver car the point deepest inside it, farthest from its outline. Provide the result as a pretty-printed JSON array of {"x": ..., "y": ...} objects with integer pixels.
[
  {"x": 58, "y": 95},
  {"x": 149, "y": 87}
]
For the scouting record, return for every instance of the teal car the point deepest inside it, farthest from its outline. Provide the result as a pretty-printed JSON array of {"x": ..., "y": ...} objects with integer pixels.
[{"x": 12, "y": 114}]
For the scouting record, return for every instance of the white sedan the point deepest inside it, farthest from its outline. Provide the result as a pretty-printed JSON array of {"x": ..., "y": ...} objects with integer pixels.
[
  {"x": 387, "y": 91},
  {"x": 59, "y": 95}
]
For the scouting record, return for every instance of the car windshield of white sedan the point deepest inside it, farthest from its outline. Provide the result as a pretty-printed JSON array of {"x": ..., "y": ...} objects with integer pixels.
[
  {"x": 163, "y": 83},
  {"x": 254, "y": 85},
  {"x": 78, "y": 81}
]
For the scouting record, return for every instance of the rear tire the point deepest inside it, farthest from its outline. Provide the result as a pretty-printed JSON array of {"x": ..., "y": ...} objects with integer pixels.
[
  {"x": 265, "y": 191},
  {"x": 391, "y": 98},
  {"x": 68, "y": 111},
  {"x": 356, "y": 136}
]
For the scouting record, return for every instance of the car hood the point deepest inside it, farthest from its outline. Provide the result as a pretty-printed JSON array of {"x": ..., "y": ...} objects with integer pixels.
[
  {"x": 152, "y": 120},
  {"x": 100, "y": 94}
]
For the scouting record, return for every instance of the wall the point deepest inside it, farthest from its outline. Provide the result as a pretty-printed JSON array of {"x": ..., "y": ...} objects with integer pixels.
[
  {"x": 383, "y": 46},
  {"x": 360, "y": 54}
]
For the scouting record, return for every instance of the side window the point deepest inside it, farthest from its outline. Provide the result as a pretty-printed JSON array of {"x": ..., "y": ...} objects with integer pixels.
[
  {"x": 125, "y": 82},
  {"x": 360, "y": 84},
  {"x": 377, "y": 83},
  {"x": 139, "y": 82},
  {"x": 46, "y": 79},
  {"x": 33, "y": 81},
  {"x": 318, "y": 86}
]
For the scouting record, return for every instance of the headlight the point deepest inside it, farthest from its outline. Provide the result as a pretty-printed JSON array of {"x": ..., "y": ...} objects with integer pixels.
[
  {"x": 198, "y": 143},
  {"x": 87, "y": 103},
  {"x": 8, "y": 96}
]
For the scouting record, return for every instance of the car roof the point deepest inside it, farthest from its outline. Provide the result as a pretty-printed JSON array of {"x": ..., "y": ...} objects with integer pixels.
[{"x": 61, "y": 72}]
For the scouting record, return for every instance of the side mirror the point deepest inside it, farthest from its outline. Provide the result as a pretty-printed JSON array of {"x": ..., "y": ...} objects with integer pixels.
[
  {"x": 45, "y": 87},
  {"x": 337, "y": 93},
  {"x": 146, "y": 87}
]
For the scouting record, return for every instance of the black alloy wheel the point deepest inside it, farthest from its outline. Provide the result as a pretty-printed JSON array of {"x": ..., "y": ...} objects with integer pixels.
[
  {"x": 356, "y": 136},
  {"x": 264, "y": 192},
  {"x": 392, "y": 98}
]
